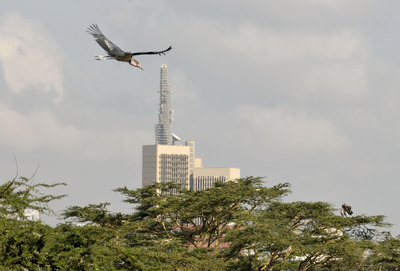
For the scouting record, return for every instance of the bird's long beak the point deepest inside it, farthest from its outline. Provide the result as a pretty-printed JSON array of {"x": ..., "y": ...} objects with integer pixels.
[{"x": 139, "y": 66}]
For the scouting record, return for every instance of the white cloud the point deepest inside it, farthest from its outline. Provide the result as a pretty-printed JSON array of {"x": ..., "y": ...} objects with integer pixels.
[
  {"x": 36, "y": 130},
  {"x": 29, "y": 56},
  {"x": 41, "y": 130},
  {"x": 289, "y": 130},
  {"x": 311, "y": 63},
  {"x": 334, "y": 63}
]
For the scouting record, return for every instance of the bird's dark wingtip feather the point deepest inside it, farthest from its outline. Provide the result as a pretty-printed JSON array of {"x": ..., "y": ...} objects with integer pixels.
[
  {"x": 93, "y": 29},
  {"x": 163, "y": 52}
]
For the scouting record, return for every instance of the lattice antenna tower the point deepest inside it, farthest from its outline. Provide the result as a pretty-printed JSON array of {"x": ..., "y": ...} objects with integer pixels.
[{"x": 165, "y": 116}]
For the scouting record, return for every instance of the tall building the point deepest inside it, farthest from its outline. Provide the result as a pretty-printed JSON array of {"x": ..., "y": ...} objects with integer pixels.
[
  {"x": 163, "y": 128},
  {"x": 166, "y": 162}
]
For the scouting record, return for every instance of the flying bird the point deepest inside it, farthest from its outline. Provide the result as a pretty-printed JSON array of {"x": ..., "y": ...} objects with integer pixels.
[{"x": 114, "y": 52}]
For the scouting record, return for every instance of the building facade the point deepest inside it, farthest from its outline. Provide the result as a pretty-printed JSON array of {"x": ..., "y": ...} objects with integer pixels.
[
  {"x": 203, "y": 178},
  {"x": 165, "y": 163},
  {"x": 170, "y": 163}
]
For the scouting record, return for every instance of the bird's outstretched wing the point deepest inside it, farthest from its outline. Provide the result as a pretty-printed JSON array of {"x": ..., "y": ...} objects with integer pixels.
[
  {"x": 151, "y": 53},
  {"x": 106, "y": 44}
]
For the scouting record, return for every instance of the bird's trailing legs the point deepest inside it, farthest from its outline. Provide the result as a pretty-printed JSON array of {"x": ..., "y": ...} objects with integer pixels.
[{"x": 102, "y": 57}]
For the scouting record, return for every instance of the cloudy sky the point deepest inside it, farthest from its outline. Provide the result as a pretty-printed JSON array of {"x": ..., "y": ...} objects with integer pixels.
[{"x": 305, "y": 92}]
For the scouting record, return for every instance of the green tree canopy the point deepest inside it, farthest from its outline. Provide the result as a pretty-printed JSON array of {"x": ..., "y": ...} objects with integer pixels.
[
  {"x": 238, "y": 225},
  {"x": 21, "y": 240},
  {"x": 22, "y": 193}
]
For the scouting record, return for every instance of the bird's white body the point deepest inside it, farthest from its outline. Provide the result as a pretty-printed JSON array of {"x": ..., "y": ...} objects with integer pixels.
[{"x": 97, "y": 57}]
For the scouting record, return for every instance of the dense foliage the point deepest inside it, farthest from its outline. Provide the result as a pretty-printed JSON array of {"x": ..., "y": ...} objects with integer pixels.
[{"x": 239, "y": 225}]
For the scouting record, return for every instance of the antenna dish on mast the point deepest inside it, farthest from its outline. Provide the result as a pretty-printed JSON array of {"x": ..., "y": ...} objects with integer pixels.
[{"x": 175, "y": 137}]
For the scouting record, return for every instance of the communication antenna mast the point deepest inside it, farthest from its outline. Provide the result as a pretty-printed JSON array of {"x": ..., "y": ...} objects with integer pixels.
[{"x": 163, "y": 128}]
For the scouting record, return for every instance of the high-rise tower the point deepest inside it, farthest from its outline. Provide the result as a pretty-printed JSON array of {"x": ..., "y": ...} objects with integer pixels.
[
  {"x": 167, "y": 162},
  {"x": 163, "y": 128}
]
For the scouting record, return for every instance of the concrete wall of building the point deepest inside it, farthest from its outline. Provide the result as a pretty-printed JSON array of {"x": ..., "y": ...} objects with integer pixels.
[
  {"x": 151, "y": 167},
  {"x": 204, "y": 178},
  {"x": 229, "y": 172},
  {"x": 198, "y": 162}
]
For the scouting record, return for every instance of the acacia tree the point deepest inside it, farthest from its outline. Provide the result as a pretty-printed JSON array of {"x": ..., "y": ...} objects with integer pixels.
[
  {"x": 96, "y": 214},
  {"x": 248, "y": 227},
  {"x": 200, "y": 218},
  {"x": 385, "y": 254},
  {"x": 196, "y": 221},
  {"x": 300, "y": 236},
  {"x": 22, "y": 193},
  {"x": 112, "y": 241},
  {"x": 21, "y": 240},
  {"x": 238, "y": 225}
]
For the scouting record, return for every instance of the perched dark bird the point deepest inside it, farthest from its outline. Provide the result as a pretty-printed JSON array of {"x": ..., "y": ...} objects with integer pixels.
[
  {"x": 346, "y": 209},
  {"x": 114, "y": 52}
]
